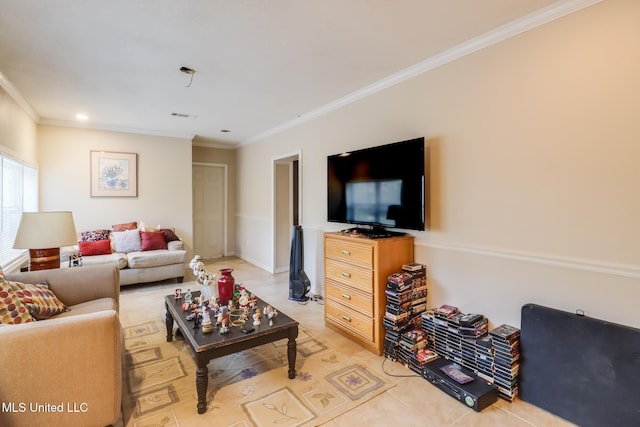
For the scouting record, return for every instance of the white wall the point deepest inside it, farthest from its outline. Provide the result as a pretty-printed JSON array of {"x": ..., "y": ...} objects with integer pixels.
[
  {"x": 533, "y": 170},
  {"x": 18, "y": 131},
  {"x": 164, "y": 179}
]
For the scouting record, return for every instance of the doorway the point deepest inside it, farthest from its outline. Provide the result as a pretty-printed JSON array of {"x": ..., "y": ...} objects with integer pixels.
[
  {"x": 286, "y": 207},
  {"x": 209, "y": 210}
]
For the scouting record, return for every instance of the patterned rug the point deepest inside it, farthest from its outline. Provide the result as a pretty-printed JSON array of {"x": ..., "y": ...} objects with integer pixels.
[{"x": 250, "y": 388}]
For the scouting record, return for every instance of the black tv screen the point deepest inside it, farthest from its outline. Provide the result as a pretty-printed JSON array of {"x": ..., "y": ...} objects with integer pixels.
[{"x": 382, "y": 187}]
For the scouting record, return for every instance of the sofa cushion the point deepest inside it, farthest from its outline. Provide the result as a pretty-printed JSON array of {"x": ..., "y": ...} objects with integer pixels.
[
  {"x": 127, "y": 241},
  {"x": 12, "y": 310},
  {"x": 154, "y": 258},
  {"x": 94, "y": 235},
  {"x": 151, "y": 240},
  {"x": 143, "y": 226},
  {"x": 92, "y": 306},
  {"x": 41, "y": 302},
  {"x": 125, "y": 226},
  {"x": 98, "y": 247},
  {"x": 115, "y": 258},
  {"x": 169, "y": 235}
]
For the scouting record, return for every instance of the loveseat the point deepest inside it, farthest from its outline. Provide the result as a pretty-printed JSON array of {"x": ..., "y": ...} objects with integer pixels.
[
  {"x": 65, "y": 370},
  {"x": 142, "y": 253}
]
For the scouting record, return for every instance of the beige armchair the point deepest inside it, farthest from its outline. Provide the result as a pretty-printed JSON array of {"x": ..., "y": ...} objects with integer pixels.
[{"x": 66, "y": 370}]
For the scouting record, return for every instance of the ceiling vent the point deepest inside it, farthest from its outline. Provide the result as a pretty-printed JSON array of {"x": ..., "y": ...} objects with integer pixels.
[{"x": 184, "y": 116}]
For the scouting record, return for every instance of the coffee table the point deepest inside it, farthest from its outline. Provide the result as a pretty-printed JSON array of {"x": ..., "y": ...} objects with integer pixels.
[{"x": 206, "y": 347}]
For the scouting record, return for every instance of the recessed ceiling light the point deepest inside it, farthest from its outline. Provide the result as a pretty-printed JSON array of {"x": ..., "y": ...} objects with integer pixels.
[
  {"x": 82, "y": 116},
  {"x": 225, "y": 130}
]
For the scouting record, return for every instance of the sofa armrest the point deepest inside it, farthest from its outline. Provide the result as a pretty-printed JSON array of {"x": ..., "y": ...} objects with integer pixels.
[
  {"x": 78, "y": 284},
  {"x": 75, "y": 361},
  {"x": 175, "y": 245}
]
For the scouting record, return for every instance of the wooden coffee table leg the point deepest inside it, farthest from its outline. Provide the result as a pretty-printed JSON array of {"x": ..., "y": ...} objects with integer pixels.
[
  {"x": 202, "y": 383},
  {"x": 292, "y": 351},
  {"x": 169, "y": 322}
]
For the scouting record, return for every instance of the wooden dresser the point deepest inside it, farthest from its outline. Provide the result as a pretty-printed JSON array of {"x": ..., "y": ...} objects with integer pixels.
[{"x": 356, "y": 271}]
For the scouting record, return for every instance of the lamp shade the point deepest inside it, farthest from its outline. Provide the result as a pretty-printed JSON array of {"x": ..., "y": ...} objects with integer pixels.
[{"x": 45, "y": 230}]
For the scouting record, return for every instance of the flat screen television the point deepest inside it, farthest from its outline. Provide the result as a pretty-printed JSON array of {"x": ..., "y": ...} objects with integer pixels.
[{"x": 380, "y": 187}]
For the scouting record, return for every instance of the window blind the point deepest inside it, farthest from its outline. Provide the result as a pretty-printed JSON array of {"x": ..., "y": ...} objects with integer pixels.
[{"x": 19, "y": 192}]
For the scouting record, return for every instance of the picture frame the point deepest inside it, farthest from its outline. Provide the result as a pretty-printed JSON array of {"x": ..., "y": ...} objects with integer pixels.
[{"x": 114, "y": 174}]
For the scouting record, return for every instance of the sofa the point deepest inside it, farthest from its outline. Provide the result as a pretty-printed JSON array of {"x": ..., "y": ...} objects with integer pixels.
[
  {"x": 64, "y": 370},
  {"x": 141, "y": 252}
]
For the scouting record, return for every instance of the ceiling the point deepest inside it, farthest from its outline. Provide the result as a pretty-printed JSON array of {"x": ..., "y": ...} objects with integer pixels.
[{"x": 260, "y": 65}]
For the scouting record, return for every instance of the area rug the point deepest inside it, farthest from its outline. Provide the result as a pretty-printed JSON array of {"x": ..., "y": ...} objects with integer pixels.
[{"x": 250, "y": 388}]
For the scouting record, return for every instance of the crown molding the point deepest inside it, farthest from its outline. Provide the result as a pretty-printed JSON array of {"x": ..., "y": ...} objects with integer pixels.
[
  {"x": 528, "y": 22},
  {"x": 111, "y": 128},
  {"x": 18, "y": 98},
  {"x": 197, "y": 142}
]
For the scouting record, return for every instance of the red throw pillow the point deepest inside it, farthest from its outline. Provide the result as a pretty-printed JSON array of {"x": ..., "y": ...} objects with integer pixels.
[
  {"x": 99, "y": 247},
  {"x": 152, "y": 240}
]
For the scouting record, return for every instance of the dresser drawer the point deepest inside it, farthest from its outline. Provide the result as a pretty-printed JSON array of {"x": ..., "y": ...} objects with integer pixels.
[
  {"x": 348, "y": 274},
  {"x": 352, "y": 299},
  {"x": 351, "y": 252},
  {"x": 350, "y": 320}
]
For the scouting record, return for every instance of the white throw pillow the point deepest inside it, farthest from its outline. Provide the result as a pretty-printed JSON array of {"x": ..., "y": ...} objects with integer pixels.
[{"x": 127, "y": 241}]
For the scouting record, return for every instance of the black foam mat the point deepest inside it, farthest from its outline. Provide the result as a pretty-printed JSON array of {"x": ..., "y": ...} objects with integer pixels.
[{"x": 582, "y": 369}]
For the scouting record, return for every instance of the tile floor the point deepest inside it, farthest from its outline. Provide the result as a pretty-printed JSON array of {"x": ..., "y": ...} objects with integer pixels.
[{"x": 413, "y": 401}]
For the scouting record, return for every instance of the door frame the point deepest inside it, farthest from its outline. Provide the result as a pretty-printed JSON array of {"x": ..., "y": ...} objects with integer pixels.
[
  {"x": 225, "y": 168},
  {"x": 284, "y": 158}
]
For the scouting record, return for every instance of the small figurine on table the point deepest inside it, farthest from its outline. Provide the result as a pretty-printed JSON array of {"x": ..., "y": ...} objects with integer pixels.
[
  {"x": 224, "y": 328},
  {"x": 269, "y": 312},
  {"x": 207, "y": 326},
  {"x": 206, "y": 317},
  {"x": 257, "y": 315},
  {"x": 215, "y": 305},
  {"x": 243, "y": 300},
  {"x": 188, "y": 296},
  {"x": 197, "y": 318},
  {"x": 221, "y": 315}
]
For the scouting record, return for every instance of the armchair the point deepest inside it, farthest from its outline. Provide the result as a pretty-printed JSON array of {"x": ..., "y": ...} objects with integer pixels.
[{"x": 65, "y": 370}]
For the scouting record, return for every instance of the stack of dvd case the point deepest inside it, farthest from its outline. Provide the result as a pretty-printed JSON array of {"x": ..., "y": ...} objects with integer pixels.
[
  {"x": 391, "y": 343},
  {"x": 463, "y": 331},
  {"x": 484, "y": 358},
  {"x": 410, "y": 342},
  {"x": 466, "y": 339},
  {"x": 429, "y": 327},
  {"x": 420, "y": 358},
  {"x": 441, "y": 318},
  {"x": 406, "y": 294},
  {"x": 506, "y": 356}
]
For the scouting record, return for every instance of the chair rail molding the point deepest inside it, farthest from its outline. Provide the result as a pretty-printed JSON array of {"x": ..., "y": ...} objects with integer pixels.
[{"x": 549, "y": 260}]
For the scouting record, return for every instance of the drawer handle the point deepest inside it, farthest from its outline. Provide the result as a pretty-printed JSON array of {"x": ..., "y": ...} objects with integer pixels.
[
  {"x": 346, "y": 253},
  {"x": 347, "y": 275},
  {"x": 346, "y": 318},
  {"x": 346, "y": 296}
]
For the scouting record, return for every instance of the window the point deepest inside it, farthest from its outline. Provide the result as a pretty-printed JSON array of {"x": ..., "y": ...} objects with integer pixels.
[{"x": 18, "y": 193}]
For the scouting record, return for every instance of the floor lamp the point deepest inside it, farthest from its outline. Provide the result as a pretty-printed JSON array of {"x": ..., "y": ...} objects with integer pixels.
[{"x": 43, "y": 233}]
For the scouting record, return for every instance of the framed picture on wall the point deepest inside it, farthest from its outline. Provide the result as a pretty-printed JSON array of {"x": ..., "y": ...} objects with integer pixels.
[{"x": 114, "y": 174}]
